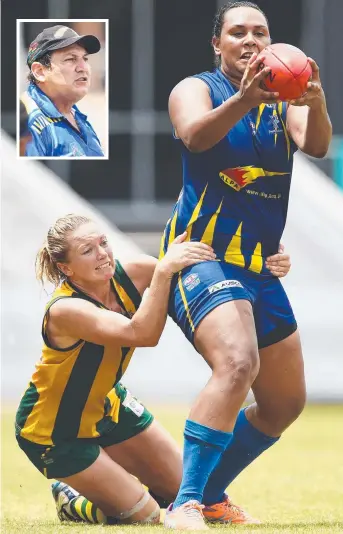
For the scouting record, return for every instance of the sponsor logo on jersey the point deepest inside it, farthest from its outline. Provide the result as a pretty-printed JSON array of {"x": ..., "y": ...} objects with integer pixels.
[
  {"x": 223, "y": 284},
  {"x": 253, "y": 127},
  {"x": 239, "y": 177},
  {"x": 275, "y": 123},
  {"x": 191, "y": 281}
]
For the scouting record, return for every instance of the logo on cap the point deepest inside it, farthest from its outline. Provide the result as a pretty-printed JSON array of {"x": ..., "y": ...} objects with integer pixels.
[
  {"x": 61, "y": 31},
  {"x": 33, "y": 46}
]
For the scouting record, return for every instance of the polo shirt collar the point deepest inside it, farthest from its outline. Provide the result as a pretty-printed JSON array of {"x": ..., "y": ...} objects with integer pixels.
[{"x": 47, "y": 106}]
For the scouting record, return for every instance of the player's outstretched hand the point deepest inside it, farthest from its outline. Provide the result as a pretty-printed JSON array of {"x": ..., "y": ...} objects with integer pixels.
[
  {"x": 183, "y": 253},
  {"x": 250, "y": 90},
  {"x": 279, "y": 264},
  {"x": 315, "y": 94}
]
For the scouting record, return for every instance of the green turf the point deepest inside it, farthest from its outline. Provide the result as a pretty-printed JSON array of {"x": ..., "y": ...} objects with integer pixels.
[{"x": 295, "y": 487}]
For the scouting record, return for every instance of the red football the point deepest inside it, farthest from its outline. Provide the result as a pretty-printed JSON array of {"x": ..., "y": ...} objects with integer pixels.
[{"x": 290, "y": 70}]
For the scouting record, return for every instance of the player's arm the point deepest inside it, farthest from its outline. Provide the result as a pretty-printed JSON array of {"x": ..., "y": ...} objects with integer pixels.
[
  {"x": 308, "y": 121},
  {"x": 82, "y": 320},
  {"x": 141, "y": 271},
  {"x": 199, "y": 125}
]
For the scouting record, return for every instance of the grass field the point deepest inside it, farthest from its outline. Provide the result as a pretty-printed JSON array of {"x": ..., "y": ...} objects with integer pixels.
[{"x": 295, "y": 487}]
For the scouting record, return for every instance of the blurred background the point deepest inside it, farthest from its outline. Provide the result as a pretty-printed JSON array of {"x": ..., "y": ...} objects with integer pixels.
[
  {"x": 152, "y": 46},
  {"x": 95, "y": 103}
]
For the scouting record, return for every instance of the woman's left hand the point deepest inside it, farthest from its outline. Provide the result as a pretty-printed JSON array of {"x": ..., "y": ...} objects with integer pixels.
[
  {"x": 315, "y": 93},
  {"x": 279, "y": 264}
]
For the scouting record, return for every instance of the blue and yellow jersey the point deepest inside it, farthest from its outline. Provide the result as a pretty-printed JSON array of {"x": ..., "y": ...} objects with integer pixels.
[
  {"x": 71, "y": 392},
  {"x": 52, "y": 134},
  {"x": 235, "y": 195}
]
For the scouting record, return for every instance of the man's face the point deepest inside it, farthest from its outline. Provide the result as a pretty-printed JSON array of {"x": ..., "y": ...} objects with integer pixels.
[{"x": 69, "y": 75}]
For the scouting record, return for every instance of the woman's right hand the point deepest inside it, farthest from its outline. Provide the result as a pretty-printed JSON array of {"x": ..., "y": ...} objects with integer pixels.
[
  {"x": 181, "y": 254},
  {"x": 250, "y": 91}
]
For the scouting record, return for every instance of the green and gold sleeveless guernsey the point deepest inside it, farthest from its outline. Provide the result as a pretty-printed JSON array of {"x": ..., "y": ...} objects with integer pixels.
[{"x": 71, "y": 394}]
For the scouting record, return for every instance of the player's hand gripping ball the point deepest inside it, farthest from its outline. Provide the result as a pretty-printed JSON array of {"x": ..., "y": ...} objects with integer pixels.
[{"x": 290, "y": 70}]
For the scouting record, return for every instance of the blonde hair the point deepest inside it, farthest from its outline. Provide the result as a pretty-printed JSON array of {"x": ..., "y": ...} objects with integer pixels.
[{"x": 55, "y": 249}]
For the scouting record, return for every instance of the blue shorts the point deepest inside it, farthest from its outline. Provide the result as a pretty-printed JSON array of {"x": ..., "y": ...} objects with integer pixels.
[{"x": 200, "y": 288}]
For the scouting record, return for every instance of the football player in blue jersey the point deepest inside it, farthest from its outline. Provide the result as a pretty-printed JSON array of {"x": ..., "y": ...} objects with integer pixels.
[
  {"x": 59, "y": 77},
  {"x": 237, "y": 143}
]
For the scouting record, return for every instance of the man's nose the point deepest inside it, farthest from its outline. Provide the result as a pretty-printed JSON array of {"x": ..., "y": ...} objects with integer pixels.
[{"x": 82, "y": 65}]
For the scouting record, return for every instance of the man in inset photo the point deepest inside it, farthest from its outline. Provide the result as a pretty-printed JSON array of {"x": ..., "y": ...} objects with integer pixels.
[{"x": 60, "y": 76}]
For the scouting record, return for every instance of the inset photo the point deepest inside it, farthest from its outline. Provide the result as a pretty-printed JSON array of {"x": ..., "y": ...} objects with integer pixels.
[{"x": 62, "y": 88}]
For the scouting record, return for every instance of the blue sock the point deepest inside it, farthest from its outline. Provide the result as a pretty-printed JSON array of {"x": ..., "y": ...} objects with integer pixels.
[
  {"x": 247, "y": 444},
  {"x": 203, "y": 447}
]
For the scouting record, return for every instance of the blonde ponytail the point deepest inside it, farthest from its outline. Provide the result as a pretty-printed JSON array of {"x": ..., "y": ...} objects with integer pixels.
[{"x": 46, "y": 269}]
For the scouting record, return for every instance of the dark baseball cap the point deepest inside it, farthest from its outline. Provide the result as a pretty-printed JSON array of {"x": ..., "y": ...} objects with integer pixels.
[{"x": 58, "y": 37}]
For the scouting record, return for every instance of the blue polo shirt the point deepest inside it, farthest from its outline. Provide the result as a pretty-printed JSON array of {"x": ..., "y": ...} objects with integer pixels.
[{"x": 52, "y": 134}]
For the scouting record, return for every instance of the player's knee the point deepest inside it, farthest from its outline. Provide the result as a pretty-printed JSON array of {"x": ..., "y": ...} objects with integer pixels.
[
  {"x": 145, "y": 511},
  {"x": 245, "y": 370},
  {"x": 239, "y": 365}
]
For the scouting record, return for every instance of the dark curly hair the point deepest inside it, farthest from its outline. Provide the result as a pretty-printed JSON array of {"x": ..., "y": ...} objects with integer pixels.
[
  {"x": 218, "y": 20},
  {"x": 45, "y": 61}
]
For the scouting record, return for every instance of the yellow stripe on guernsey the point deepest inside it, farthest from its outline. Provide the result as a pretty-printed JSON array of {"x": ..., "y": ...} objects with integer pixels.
[
  {"x": 172, "y": 228},
  {"x": 256, "y": 260},
  {"x": 93, "y": 410},
  {"x": 275, "y": 135},
  {"x": 233, "y": 252},
  {"x": 288, "y": 143},
  {"x": 52, "y": 371},
  {"x": 129, "y": 305},
  {"x": 195, "y": 214},
  {"x": 207, "y": 236},
  {"x": 90, "y": 413},
  {"x": 115, "y": 403},
  {"x": 161, "y": 254},
  {"x": 185, "y": 303},
  {"x": 259, "y": 115}
]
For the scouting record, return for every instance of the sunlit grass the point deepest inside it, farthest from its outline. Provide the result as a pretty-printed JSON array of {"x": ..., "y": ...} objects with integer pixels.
[{"x": 295, "y": 487}]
